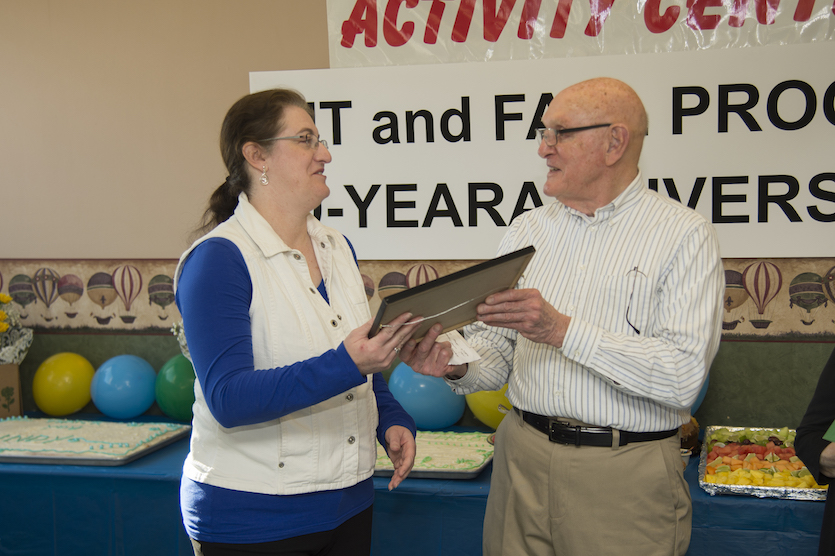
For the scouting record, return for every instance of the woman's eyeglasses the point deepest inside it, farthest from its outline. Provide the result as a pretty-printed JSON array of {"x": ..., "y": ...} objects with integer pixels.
[{"x": 311, "y": 141}]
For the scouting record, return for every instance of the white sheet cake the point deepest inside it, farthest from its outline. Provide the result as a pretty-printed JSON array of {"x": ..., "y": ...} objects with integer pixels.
[
  {"x": 445, "y": 451},
  {"x": 81, "y": 439}
]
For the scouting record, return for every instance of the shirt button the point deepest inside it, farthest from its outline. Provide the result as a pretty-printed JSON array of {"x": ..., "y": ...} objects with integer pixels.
[
  {"x": 334, "y": 323},
  {"x": 322, "y": 244},
  {"x": 351, "y": 440},
  {"x": 281, "y": 465},
  {"x": 339, "y": 317},
  {"x": 349, "y": 397},
  {"x": 313, "y": 291},
  {"x": 297, "y": 256}
]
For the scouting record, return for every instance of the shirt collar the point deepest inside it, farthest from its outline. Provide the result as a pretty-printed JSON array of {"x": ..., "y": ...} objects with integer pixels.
[
  {"x": 263, "y": 235},
  {"x": 619, "y": 204}
]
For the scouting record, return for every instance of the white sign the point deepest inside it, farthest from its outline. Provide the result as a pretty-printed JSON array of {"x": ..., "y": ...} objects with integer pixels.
[{"x": 433, "y": 161}]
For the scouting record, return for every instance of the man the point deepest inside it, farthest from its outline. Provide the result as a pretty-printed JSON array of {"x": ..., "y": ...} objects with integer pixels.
[{"x": 605, "y": 345}]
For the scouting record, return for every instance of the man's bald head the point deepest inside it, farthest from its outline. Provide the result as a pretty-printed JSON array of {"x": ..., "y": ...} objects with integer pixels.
[
  {"x": 603, "y": 124},
  {"x": 604, "y": 99}
]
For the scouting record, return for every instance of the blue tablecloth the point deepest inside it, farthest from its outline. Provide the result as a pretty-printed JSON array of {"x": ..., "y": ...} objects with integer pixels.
[
  {"x": 69, "y": 510},
  {"x": 133, "y": 510},
  {"x": 743, "y": 525},
  {"x": 430, "y": 517}
]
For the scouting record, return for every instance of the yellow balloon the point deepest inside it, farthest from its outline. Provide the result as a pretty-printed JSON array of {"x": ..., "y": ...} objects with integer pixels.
[
  {"x": 62, "y": 384},
  {"x": 485, "y": 406}
]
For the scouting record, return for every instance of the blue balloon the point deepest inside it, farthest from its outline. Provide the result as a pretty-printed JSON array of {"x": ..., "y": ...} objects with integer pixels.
[
  {"x": 427, "y": 399},
  {"x": 700, "y": 398},
  {"x": 123, "y": 387}
]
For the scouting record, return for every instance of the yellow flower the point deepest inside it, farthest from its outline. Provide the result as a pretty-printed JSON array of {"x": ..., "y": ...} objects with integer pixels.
[
  {"x": 5, "y": 298},
  {"x": 3, "y": 316},
  {"x": 3, "y": 327}
]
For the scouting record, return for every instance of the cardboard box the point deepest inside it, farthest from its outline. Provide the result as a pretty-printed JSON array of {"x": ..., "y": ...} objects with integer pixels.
[{"x": 9, "y": 391}]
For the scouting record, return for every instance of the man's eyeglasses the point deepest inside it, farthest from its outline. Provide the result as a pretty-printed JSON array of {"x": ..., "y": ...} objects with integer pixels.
[
  {"x": 634, "y": 275},
  {"x": 551, "y": 135},
  {"x": 311, "y": 141}
]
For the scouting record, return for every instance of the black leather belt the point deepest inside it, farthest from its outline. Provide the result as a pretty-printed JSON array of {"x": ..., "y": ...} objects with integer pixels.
[{"x": 563, "y": 433}]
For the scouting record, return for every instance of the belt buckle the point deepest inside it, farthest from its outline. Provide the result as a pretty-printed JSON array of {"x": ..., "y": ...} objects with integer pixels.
[{"x": 560, "y": 436}]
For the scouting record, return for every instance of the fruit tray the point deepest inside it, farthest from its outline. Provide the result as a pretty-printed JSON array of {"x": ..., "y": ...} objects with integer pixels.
[{"x": 756, "y": 482}]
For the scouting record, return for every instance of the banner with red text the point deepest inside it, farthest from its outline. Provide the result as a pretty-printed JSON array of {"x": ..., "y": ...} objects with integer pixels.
[{"x": 398, "y": 32}]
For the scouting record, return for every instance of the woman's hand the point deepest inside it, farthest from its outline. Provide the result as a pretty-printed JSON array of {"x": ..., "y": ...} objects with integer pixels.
[
  {"x": 401, "y": 449},
  {"x": 376, "y": 354}
]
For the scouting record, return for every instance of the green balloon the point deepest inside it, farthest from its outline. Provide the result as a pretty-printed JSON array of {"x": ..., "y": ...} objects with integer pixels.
[{"x": 174, "y": 388}]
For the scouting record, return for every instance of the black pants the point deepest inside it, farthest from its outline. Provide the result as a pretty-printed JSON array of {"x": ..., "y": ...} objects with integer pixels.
[{"x": 352, "y": 538}]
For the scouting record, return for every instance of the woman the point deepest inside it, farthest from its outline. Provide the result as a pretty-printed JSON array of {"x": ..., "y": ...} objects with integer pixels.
[
  {"x": 818, "y": 453},
  {"x": 288, "y": 392}
]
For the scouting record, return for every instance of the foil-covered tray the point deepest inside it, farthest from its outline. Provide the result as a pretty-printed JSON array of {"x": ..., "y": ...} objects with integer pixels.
[{"x": 787, "y": 493}]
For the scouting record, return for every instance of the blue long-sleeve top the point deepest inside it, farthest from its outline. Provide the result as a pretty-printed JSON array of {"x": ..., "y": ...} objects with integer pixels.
[{"x": 213, "y": 295}]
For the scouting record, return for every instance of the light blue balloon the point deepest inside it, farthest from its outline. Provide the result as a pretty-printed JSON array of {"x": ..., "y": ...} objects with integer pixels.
[
  {"x": 123, "y": 387},
  {"x": 427, "y": 399},
  {"x": 700, "y": 398}
]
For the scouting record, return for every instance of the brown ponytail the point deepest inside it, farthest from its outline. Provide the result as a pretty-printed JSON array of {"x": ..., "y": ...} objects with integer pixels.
[{"x": 255, "y": 117}]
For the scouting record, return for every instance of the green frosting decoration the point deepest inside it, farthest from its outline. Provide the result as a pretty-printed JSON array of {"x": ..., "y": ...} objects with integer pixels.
[
  {"x": 21, "y": 436},
  {"x": 448, "y": 451}
]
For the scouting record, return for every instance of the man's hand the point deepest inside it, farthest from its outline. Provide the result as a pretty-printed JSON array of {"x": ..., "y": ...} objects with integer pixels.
[
  {"x": 430, "y": 357},
  {"x": 526, "y": 312},
  {"x": 401, "y": 449}
]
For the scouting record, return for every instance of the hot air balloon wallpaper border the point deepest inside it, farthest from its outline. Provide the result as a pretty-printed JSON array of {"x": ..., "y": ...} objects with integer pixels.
[
  {"x": 777, "y": 310},
  {"x": 778, "y": 299},
  {"x": 763, "y": 299},
  {"x": 97, "y": 295}
]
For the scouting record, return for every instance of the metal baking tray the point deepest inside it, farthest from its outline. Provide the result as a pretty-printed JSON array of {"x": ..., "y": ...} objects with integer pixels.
[
  {"x": 418, "y": 473},
  {"x": 479, "y": 445},
  {"x": 787, "y": 493},
  {"x": 102, "y": 460}
]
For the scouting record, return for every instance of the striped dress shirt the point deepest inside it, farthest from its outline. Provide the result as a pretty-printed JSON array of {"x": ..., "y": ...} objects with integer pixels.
[{"x": 642, "y": 281}]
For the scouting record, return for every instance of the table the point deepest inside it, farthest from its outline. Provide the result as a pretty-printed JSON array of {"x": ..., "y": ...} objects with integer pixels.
[
  {"x": 69, "y": 510},
  {"x": 743, "y": 525},
  {"x": 133, "y": 510},
  {"x": 431, "y": 517}
]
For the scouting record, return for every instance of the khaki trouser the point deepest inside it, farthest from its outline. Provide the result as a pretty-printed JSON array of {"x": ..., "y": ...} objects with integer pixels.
[{"x": 549, "y": 499}]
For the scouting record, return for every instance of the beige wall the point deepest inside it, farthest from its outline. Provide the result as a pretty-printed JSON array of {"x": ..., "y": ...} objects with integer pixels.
[{"x": 110, "y": 113}]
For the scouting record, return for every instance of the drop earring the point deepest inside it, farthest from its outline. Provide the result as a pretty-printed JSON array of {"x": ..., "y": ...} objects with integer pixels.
[{"x": 264, "y": 179}]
